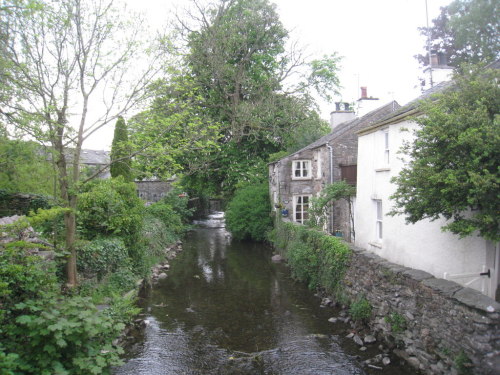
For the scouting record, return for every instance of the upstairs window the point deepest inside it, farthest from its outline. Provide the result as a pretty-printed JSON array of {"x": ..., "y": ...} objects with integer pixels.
[
  {"x": 386, "y": 147},
  {"x": 301, "y": 169}
]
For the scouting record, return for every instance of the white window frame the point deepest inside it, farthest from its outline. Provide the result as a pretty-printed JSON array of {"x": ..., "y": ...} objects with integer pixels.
[
  {"x": 304, "y": 168},
  {"x": 299, "y": 200},
  {"x": 387, "y": 150},
  {"x": 379, "y": 220}
]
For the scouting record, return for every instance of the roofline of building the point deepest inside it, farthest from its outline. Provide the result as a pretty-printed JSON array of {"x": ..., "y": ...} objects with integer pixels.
[{"x": 392, "y": 120}]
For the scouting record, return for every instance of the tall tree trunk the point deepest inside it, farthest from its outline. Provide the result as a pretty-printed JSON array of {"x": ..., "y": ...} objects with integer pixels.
[{"x": 70, "y": 224}]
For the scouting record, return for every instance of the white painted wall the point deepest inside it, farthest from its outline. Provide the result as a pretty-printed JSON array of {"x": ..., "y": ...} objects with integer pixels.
[{"x": 422, "y": 245}]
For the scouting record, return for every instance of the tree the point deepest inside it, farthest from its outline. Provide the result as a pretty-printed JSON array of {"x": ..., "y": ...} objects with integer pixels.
[
  {"x": 248, "y": 213},
  {"x": 454, "y": 169},
  {"x": 466, "y": 31},
  {"x": 120, "y": 152},
  {"x": 239, "y": 62},
  {"x": 24, "y": 168},
  {"x": 65, "y": 57}
]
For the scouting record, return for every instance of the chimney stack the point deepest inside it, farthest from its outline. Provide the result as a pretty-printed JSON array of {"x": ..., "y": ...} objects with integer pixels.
[
  {"x": 342, "y": 113},
  {"x": 365, "y": 103},
  {"x": 364, "y": 92}
]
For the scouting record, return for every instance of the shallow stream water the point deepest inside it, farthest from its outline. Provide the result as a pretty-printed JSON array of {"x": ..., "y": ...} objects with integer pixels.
[{"x": 225, "y": 308}]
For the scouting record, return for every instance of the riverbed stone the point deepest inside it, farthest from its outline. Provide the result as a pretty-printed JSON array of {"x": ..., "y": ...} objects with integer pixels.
[
  {"x": 370, "y": 339},
  {"x": 358, "y": 340},
  {"x": 277, "y": 258},
  {"x": 162, "y": 276},
  {"x": 386, "y": 361}
]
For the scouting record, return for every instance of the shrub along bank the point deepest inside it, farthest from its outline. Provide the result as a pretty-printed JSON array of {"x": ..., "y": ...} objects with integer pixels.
[
  {"x": 47, "y": 330},
  {"x": 315, "y": 258}
]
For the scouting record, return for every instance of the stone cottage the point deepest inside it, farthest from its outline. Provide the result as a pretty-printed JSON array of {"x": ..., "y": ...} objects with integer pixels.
[{"x": 296, "y": 178}]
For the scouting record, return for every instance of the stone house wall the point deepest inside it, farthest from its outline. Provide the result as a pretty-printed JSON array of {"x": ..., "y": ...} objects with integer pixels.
[
  {"x": 152, "y": 191},
  {"x": 281, "y": 185},
  {"x": 444, "y": 320}
]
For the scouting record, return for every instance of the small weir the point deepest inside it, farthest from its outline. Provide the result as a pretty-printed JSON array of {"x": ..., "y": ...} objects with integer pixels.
[{"x": 225, "y": 308}]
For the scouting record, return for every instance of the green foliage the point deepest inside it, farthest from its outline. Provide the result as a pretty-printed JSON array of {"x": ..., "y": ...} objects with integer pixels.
[
  {"x": 463, "y": 364},
  {"x": 466, "y": 31},
  {"x": 323, "y": 76},
  {"x": 60, "y": 337},
  {"x": 110, "y": 207},
  {"x": 22, "y": 276},
  {"x": 397, "y": 322},
  {"x": 49, "y": 222},
  {"x": 331, "y": 193},
  {"x": 101, "y": 256},
  {"x": 454, "y": 160},
  {"x": 121, "y": 152},
  {"x": 247, "y": 214},
  {"x": 43, "y": 332},
  {"x": 361, "y": 310},
  {"x": 179, "y": 204},
  {"x": 277, "y": 156},
  {"x": 24, "y": 168},
  {"x": 315, "y": 258},
  {"x": 239, "y": 76}
]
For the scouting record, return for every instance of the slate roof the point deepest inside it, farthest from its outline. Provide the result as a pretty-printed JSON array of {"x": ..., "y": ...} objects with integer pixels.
[
  {"x": 95, "y": 157},
  {"x": 359, "y": 123}
]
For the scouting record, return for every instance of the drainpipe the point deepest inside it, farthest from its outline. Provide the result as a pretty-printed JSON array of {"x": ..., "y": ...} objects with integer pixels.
[{"x": 330, "y": 153}]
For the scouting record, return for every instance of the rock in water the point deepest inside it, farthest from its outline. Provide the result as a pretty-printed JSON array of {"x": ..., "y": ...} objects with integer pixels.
[
  {"x": 277, "y": 258},
  {"x": 358, "y": 340},
  {"x": 369, "y": 339}
]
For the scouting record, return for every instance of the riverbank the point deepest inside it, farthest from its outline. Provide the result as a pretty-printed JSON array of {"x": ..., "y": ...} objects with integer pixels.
[
  {"x": 408, "y": 312},
  {"x": 226, "y": 308}
]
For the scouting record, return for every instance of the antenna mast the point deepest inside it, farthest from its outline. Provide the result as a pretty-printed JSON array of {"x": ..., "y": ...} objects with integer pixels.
[{"x": 428, "y": 43}]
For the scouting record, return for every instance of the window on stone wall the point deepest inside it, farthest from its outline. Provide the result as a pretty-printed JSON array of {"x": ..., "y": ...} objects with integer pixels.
[
  {"x": 301, "y": 169},
  {"x": 301, "y": 208},
  {"x": 349, "y": 173}
]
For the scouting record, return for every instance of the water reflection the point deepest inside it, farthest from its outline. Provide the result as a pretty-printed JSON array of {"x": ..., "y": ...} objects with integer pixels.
[{"x": 226, "y": 309}]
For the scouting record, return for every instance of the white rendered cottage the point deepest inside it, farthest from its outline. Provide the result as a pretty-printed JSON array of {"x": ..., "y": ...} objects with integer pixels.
[{"x": 422, "y": 245}]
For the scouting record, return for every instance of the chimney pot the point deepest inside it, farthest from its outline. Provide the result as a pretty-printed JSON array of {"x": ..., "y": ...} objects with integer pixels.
[{"x": 364, "y": 92}]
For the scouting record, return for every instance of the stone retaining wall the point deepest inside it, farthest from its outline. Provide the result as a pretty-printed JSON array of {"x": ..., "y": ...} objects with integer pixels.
[{"x": 437, "y": 325}]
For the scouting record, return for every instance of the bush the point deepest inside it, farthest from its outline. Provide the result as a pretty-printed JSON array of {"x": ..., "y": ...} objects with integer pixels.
[
  {"x": 179, "y": 203},
  {"x": 61, "y": 337},
  {"x": 110, "y": 207},
  {"x": 361, "y": 310},
  {"x": 397, "y": 322},
  {"x": 248, "y": 213},
  {"x": 167, "y": 215},
  {"x": 43, "y": 332},
  {"x": 101, "y": 256},
  {"x": 315, "y": 258},
  {"x": 22, "y": 276}
]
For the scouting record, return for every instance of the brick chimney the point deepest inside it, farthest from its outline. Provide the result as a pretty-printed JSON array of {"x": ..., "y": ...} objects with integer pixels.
[
  {"x": 366, "y": 103},
  {"x": 343, "y": 113}
]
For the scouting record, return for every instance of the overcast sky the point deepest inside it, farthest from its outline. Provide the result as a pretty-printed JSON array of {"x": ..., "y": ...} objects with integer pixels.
[{"x": 377, "y": 39}]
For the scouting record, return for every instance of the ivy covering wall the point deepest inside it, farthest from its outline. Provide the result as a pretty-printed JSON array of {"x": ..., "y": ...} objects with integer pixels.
[{"x": 314, "y": 257}]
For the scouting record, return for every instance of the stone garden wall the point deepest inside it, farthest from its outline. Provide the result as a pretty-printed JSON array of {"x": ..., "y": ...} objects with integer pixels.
[{"x": 436, "y": 325}]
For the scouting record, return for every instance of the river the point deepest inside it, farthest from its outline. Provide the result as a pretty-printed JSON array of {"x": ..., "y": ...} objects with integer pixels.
[{"x": 225, "y": 308}]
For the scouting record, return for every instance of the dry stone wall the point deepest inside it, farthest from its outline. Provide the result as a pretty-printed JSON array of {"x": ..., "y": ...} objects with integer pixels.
[{"x": 436, "y": 325}]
